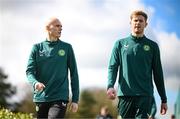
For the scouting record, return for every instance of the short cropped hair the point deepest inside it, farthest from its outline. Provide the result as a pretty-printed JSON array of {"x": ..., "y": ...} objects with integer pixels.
[{"x": 139, "y": 12}]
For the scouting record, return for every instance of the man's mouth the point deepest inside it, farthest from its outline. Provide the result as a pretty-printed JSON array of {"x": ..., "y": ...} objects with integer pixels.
[{"x": 137, "y": 27}]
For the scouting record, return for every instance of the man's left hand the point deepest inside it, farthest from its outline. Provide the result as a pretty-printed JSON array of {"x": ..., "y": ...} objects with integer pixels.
[
  {"x": 74, "y": 107},
  {"x": 163, "y": 108}
]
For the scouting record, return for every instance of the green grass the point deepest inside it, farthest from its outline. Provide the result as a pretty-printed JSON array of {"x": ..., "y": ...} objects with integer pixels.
[{"x": 7, "y": 114}]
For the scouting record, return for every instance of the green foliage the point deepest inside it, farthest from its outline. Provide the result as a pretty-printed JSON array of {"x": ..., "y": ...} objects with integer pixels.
[
  {"x": 7, "y": 114},
  {"x": 87, "y": 103},
  {"x": 90, "y": 103},
  {"x": 27, "y": 105},
  {"x": 6, "y": 90}
]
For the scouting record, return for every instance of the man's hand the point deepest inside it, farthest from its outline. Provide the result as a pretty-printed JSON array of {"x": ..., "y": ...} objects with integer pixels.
[
  {"x": 111, "y": 93},
  {"x": 150, "y": 117},
  {"x": 74, "y": 107},
  {"x": 39, "y": 86},
  {"x": 163, "y": 108}
]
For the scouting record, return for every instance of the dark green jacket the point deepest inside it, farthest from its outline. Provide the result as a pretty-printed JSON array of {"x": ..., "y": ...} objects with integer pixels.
[
  {"x": 49, "y": 63},
  {"x": 136, "y": 59}
]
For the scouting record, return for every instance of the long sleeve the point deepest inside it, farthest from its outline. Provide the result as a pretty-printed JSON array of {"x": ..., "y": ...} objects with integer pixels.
[
  {"x": 113, "y": 66},
  {"x": 158, "y": 75},
  {"x": 74, "y": 75},
  {"x": 31, "y": 67}
]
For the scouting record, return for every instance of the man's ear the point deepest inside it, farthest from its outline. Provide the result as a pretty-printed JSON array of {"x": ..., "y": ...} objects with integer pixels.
[
  {"x": 146, "y": 24},
  {"x": 130, "y": 22},
  {"x": 47, "y": 28}
]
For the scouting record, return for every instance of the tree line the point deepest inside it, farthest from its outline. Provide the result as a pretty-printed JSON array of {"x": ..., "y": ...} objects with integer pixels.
[{"x": 91, "y": 101}]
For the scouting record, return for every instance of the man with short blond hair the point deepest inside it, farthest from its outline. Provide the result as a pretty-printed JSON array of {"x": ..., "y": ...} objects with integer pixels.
[{"x": 136, "y": 58}]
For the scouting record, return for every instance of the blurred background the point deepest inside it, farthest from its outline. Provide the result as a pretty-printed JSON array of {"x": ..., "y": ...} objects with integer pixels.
[{"x": 92, "y": 27}]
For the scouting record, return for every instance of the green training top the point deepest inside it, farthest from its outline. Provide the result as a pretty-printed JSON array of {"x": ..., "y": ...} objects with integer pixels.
[
  {"x": 136, "y": 59},
  {"x": 49, "y": 63}
]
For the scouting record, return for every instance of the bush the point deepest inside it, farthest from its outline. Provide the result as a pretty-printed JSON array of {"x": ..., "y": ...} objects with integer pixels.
[{"x": 7, "y": 114}]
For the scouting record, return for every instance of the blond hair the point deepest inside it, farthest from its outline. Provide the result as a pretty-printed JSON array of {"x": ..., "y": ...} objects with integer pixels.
[{"x": 139, "y": 12}]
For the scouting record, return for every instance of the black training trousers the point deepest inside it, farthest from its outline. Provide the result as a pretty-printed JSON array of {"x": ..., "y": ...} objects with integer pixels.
[{"x": 51, "y": 110}]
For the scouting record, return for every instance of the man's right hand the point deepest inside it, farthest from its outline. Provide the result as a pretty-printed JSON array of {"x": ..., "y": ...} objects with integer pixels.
[
  {"x": 111, "y": 93},
  {"x": 39, "y": 86}
]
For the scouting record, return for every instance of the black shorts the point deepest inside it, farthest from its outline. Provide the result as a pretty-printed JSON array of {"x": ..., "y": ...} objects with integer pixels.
[{"x": 134, "y": 107}]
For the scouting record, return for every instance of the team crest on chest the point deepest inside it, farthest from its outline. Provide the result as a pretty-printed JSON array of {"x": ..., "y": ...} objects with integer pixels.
[
  {"x": 61, "y": 52},
  {"x": 146, "y": 47}
]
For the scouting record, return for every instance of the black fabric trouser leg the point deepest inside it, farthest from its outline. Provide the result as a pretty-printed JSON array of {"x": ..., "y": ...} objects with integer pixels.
[{"x": 51, "y": 110}]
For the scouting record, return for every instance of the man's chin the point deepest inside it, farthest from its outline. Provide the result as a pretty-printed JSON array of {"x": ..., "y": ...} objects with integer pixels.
[
  {"x": 138, "y": 32},
  {"x": 58, "y": 36}
]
